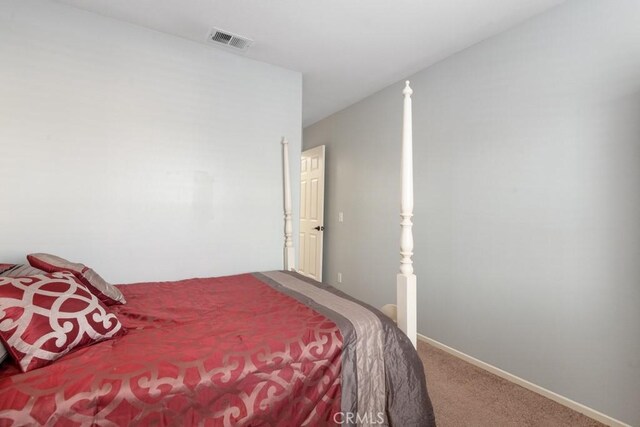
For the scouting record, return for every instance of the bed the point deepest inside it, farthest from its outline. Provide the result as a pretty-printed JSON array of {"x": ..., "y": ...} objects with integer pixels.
[{"x": 270, "y": 348}]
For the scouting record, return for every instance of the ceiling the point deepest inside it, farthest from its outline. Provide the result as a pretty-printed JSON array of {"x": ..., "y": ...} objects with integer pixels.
[{"x": 345, "y": 49}]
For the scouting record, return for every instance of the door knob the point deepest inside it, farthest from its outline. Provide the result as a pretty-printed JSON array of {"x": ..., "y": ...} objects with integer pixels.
[{"x": 319, "y": 228}]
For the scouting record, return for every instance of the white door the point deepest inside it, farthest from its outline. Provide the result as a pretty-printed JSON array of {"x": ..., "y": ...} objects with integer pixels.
[{"x": 311, "y": 212}]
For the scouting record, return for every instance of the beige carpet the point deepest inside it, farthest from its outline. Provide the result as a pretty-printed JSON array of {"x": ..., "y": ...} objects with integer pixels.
[{"x": 464, "y": 395}]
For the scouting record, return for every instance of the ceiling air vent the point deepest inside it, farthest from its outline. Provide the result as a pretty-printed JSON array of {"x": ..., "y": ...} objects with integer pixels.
[{"x": 225, "y": 38}]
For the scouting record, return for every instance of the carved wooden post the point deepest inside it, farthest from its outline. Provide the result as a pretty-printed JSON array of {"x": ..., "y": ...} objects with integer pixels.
[
  {"x": 289, "y": 252},
  {"x": 406, "y": 280}
]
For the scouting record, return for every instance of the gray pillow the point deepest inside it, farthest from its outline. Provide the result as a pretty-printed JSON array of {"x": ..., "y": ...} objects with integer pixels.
[{"x": 17, "y": 270}]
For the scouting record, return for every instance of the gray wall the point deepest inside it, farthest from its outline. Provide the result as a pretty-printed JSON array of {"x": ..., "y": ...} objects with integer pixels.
[
  {"x": 527, "y": 184},
  {"x": 146, "y": 156}
]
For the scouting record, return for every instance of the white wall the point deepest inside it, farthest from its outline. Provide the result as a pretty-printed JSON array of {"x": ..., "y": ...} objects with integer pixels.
[
  {"x": 527, "y": 182},
  {"x": 146, "y": 156}
]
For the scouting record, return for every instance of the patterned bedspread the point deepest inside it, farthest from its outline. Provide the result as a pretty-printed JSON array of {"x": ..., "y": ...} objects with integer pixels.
[{"x": 273, "y": 349}]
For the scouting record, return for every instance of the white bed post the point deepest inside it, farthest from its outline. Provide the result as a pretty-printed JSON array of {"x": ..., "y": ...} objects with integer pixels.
[
  {"x": 406, "y": 280},
  {"x": 289, "y": 254}
]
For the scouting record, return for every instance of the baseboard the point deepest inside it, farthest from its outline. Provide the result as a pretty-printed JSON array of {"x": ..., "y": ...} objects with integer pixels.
[{"x": 578, "y": 407}]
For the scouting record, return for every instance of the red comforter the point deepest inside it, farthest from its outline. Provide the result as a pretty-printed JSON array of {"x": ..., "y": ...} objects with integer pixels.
[{"x": 193, "y": 354}]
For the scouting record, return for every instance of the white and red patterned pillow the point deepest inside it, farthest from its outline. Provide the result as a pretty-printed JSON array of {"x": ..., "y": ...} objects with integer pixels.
[
  {"x": 107, "y": 293},
  {"x": 43, "y": 317},
  {"x": 15, "y": 270}
]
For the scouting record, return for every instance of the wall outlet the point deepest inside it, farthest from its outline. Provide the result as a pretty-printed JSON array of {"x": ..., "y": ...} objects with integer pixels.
[
  {"x": 339, "y": 277},
  {"x": 340, "y": 217}
]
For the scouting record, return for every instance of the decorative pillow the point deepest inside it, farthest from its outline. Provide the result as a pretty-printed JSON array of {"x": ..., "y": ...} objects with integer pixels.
[
  {"x": 17, "y": 270},
  {"x": 43, "y": 317},
  {"x": 107, "y": 293}
]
